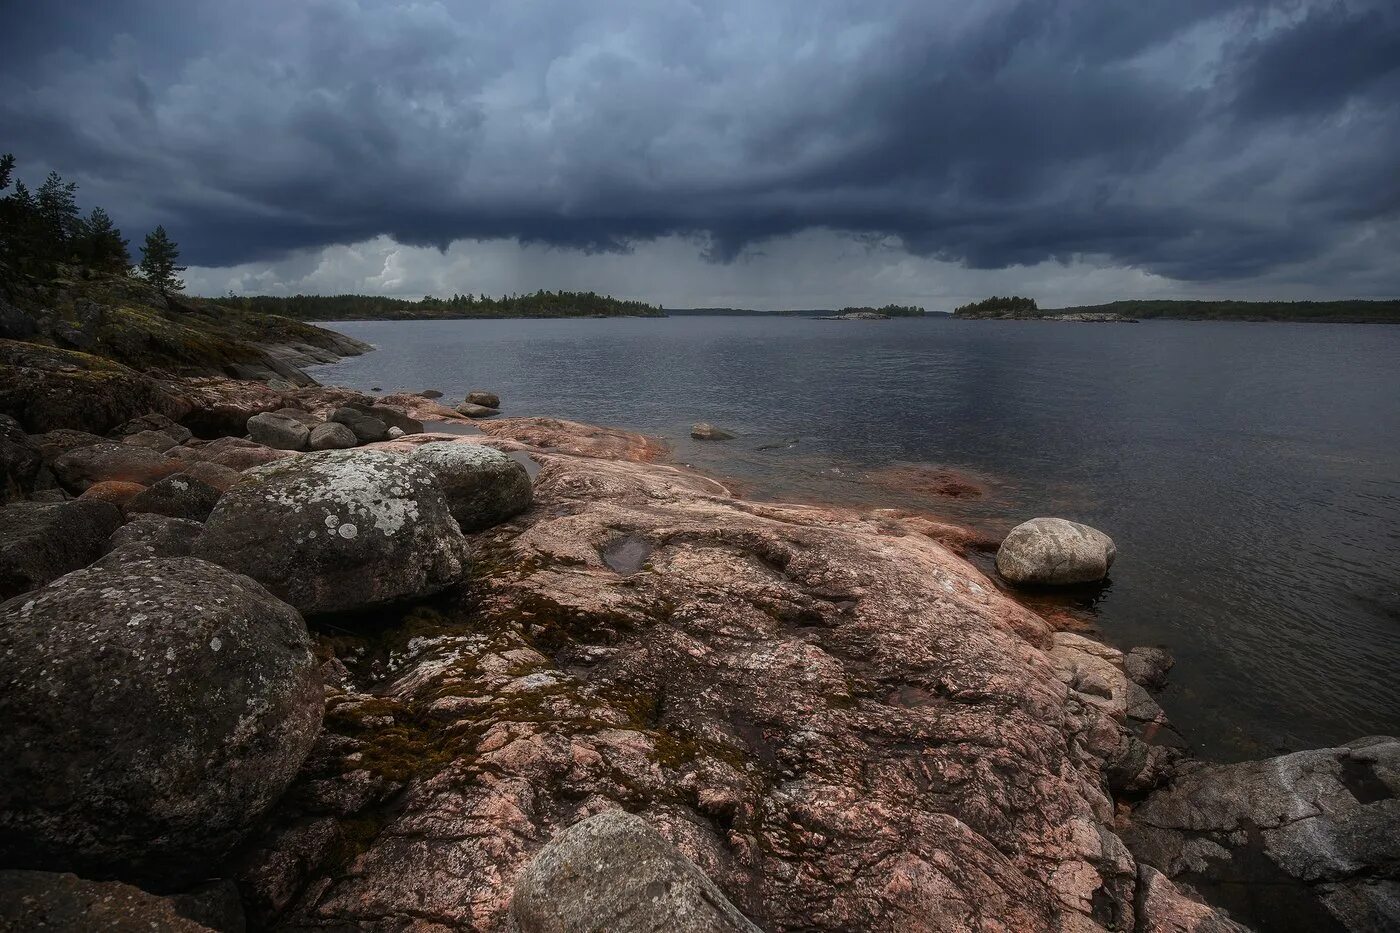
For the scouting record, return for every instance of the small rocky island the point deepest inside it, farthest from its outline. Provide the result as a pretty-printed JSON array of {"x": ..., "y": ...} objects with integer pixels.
[{"x": 284, "y": 656}]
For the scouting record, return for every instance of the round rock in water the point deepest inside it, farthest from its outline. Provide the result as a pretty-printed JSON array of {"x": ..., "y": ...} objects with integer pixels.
[
  {"x": 1055, "y": 552},
  {"x": 484, "y": 487},
  {"x": 338, "y": 530},
  {"x": 154, "y": 710}
]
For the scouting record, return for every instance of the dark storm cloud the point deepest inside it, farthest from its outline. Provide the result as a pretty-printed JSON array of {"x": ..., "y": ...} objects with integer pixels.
[{"x": 1198, "y": 140}]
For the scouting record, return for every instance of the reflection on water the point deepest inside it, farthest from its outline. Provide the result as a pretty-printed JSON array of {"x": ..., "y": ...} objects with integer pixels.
[{"x": 1249, "y": 473}]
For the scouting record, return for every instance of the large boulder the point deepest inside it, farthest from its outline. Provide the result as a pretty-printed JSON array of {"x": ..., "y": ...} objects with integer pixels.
[
  {"x": 1055, "y": 552},
  {"x": 278, "y": 431},
  {"x": 151, "y": 422},
  {"x": 484, "y": 487},
  {"x": 80, "y": 467},
  {"x": 1318, "y": 830},
  {"x": 365, "y": 427},
  {"x": 232, "y": 452},
  {"x": 150, "y": 536},
  {"x": 20, "y": 461},
  {"x": 177, "y": 496},
  {"x": 215, "y": 474},
  {"x": 154, "y": 710},
  {"x": 41, "y": 541},
  {"x": 54, "y": 444},
  {"x": 115, "y": 491},
  {"x": 339, "y": 530},
  {"x": 57, "y": 902},
  {"x": 332, "y": 436},
  {"x": 158, "y": 441},
  {"x": 614, "y": 872}
]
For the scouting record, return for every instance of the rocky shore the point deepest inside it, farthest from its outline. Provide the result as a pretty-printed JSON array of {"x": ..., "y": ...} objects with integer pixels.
[{"x": 523, "y": 674}]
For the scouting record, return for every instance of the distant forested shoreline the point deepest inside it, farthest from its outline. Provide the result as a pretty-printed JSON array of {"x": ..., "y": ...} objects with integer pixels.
[
  {"x": 540, "y": 304},
  {"x": 1339, "y": 312}
]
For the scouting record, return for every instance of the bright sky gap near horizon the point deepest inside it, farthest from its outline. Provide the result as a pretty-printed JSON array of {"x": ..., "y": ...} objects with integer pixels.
[{"x": 767, "y": 155}]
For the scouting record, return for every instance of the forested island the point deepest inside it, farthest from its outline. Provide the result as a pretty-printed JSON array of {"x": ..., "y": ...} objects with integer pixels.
[{"x": 1016, "y": 307}]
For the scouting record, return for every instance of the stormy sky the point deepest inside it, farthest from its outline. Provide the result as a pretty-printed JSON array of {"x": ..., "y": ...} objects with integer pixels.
[{"x": 731, "y": 152}]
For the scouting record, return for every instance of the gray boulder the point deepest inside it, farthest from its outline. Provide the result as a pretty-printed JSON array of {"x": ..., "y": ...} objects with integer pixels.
[
  {"x": 473, "y": 410},
  {"x": 155, "y": 709},
  {"x": 1055, "y": 552},
  {"x": 177, "y": 496},
  {"x": 613, "y": 872},
  {"x": 332, "y": 436},
  {"x": 41, "y": 541},
  {"x": 704, "y": 431},
  {"x": 339, "y": 530},
  {"x": 1315, "y": 834},
  {"x": 486, "y": 399},
  {"x": 366, "y": 428},
  {"x": 64, "y": 903},
  {"x": 278, "y": 431},
  {"x": 484, "y": 487},
  {"x": 20, "y": 461},
  {"x": 107, "y": 461},
  {"x": 147, "y": 537}
]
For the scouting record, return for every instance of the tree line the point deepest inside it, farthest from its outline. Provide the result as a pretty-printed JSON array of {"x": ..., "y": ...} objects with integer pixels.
[
  {"x": 1011, "y": 304},
  {"x": 890, "y": 310},
  {"x": 374, "y": 307},
  {"x": 42, "y": 230}
]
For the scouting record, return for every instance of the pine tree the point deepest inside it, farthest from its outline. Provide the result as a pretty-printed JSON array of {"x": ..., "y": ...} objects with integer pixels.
[
  {"x": 102, "y": 246},
  {"x": 58, "y": 218},
  {"x": 158, "y": 262}
]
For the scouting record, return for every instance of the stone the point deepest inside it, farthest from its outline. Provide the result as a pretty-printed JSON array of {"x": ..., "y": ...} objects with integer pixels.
[
  {"x": 115, "y": 491},
  {"x": 80, "y": 467},
  {"x": 61, "y": 902},
  {"x": 704, "y": 431},
  {"x": 53, "y": 444},
  {"x": 484, "y": 487},
  {"x": 332, "y": 436},
  {"x": 158, "y": 441},
  {"x": 485, "y": 399},
  {"x": 200, "y": 699},
  {"x": 365, "y": 427},
  {"x": 339, "y": 530},
  {"x": 151, "y": 422},
  {"x": 473, "y": 410},
  {"x": 1164, "y": 908},
  {"x": 431, "y": 394},
  {"x": 215, "y": 474},
  {"x": 613, "y": 872},
  {"x": 41, "y": 541},
  {"x": 395, "y": 417},
  {"x": 45, "y": 388},
  {"x": 299, "y": 414},
  {"x": 20, "y": 461},
  {"x": 148, "y": 536},
  {"x": 278, "y": 431},
  {"x": 176, "y": 496},
  {"x": 1148, "y": 666},
  {"x": 236, "y": 453},
  {"x": 1055, "y": 552},
  {"x": 1318, "y": 829}
]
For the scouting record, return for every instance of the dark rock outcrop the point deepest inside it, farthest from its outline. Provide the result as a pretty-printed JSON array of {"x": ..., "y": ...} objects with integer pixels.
[
  {"x": 176, "y": 496},
  {"x": 1055, "y": 552},
  {"x": 44, "y": 388},
  {"x": 339, "y": 530},
  {"x": 484, "y": 487},
  {"x": 61, "y": 902},
  {"x": 80, "y": 467},
  {"x": 20, "y": 461},
  {"x": 41, "y": 541},
  {"x": 199, "y": 699},
  {"x": 53, "y": 444},
  {"x": 614, "y": 872}
]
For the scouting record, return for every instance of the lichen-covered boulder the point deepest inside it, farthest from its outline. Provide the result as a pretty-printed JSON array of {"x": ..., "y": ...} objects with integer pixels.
[
  {"x": 80, "y": 467},
  {"x": 339, "y": 530},
  {"x": 614, "y": 872},
  {"x": 41, "y": 541},
  {"x": 177, "y": 496},
  {"x": 278, "y": 431},
  {"x": 366, "y": 428},
  {"x": 484, "y": 487},
  {"x": 150, "y": 536},
  {"x": 154, "y": 709},
  {"x": 1055, "y": 552},
  {"x": 20, "y": 461},
  {"x": 332, "y": 436},
  {"x": 235, "y": 453},
  {"x": 61, "y": 902}
]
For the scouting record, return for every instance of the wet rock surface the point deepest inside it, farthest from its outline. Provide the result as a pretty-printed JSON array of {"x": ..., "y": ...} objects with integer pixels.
[
  {"x": 41, "y": 541},
  {"x": 1309, "y": 840},
  {"x": 338, "y": 530},
  {"x": 704, "y": 431},
  {"x": 1055, "y": 552},
  {"x": 200, "y": 698},
  {"x": 842, "y": 724},
  {"x": 484, "y": 486}
]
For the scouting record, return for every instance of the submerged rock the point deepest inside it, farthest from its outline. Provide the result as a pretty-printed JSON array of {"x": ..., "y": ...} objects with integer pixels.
[
  {"x": 332, "y": 436},
  {"x": 614, "y": 872},
  {"x": 278, "y": 431},
  {"x": 338, "y": 530},
  {"x": 484, "y": 487},
  {"x": 57, "y": 902},
  {"x": 41, "y": 541},
  {"x": 1318, "y": 830},
  {"x": 154, "y": 710},
  {"x": 704, "y": 431},
  {"x": 484, "y": 398},
  {"x": 1055, "y": 552},
  {"x": 177, "y": 496}
]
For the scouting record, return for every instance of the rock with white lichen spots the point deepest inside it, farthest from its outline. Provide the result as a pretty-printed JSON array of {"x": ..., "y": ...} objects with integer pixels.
[
  {"x": 154, "y": 709},
  {"x": 338, "y": 530},
  {"x": 484, "y": 487},
  {"x": 178, "y": 496},
  {"x": 40, "y": 541}
]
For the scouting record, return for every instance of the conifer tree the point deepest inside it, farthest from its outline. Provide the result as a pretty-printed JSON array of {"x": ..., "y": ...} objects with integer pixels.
[
  {"x": 103, "y": 247},
  {"x": 158, "y": 262}
]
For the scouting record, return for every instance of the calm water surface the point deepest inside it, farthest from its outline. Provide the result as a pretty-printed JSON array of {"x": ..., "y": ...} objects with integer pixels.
[{"x": 1250, "y": 473}]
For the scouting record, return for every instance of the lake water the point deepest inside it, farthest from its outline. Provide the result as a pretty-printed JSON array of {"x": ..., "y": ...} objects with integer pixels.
[{"x": 1249, "y": 473}]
